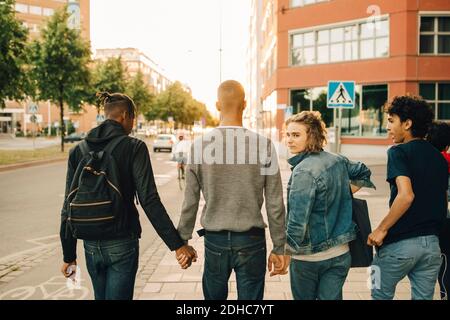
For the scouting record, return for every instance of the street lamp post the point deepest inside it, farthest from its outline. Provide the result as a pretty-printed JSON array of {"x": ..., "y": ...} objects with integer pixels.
[{"x": 220, "y": 40}]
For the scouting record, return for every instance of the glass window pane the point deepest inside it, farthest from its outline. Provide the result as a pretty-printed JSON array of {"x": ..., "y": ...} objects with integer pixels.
[
  {"x": 367, "y": 30},
  {"x": 300, "y": 101},
  {"x": 296, "y": 57},
  {"x": 337, "y": 52},
  {"x": 35, "y": 10},
  {"x": 337, "y": 34},
  {"x": 305, "y": 2},
  {"x": 351, "y": 51},
  {"x": 382, "y": 28},
  {"x": 444, "y": 91},
  {"x": 322, "y": 54},
  {"x": 297, "y": 40},
  {"x": 319, "y": 96},
  {"x": 309, "y": 55},
  {"x": 308, "y": 39},
  {"x": 48, "y": 12},
  {"x": 426, "y": 44},
  {"x": 22, "y": 8},
  {"x": 382, "y": 47},
  {"x": 323, "y": 37},
  {"x": 351, "y": 33},
  {"x": 444, "y": 24},
  {"x": 373, "y": 118},
  {"x": 350, "y": 121},
  {"x": 296, "y": 3},
  {"x": 427, "y": 91},
  {"x": 355, "y": 50},
  {"x": 444, "y": 44},
  {"x": 426, "y": 24},
  {"x": 367, "y": 49},
  {"x": 444, "y": 111}
]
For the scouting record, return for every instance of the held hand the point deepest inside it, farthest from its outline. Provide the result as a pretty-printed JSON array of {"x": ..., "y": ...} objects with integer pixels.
[
  {"x": 66, "y": 266},
  {"x": 186, "y": 255},
  {"x": 376, "y": 237},
  {"x": 277, "y": 264}
]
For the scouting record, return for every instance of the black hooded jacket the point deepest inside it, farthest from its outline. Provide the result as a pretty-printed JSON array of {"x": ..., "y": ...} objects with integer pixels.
[{"x": 136, "y": 175}]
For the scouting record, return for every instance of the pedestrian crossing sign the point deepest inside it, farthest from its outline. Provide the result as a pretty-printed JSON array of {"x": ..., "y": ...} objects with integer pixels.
[
  {"x": 33, "y": 108},
  {"x": 341, "y": 94}
]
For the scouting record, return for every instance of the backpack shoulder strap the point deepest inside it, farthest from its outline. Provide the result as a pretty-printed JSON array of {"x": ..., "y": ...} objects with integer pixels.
[
  {"x": 84, "y": 147},
  {"x": 114, "y": 143}
]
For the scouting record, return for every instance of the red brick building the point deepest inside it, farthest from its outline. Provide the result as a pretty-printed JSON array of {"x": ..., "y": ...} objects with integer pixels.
[
  {"x": 387, "y": 47},
  {"x": 34, "y": 15}
]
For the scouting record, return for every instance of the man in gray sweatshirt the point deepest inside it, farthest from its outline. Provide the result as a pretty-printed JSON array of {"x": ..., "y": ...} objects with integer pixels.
[{"x": 235, "y": 169}]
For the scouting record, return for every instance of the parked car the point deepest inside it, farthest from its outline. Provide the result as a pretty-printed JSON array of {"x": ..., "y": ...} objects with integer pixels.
[
  {"x": 164, "y": 141},
  {"x": 74, "y": 137}
]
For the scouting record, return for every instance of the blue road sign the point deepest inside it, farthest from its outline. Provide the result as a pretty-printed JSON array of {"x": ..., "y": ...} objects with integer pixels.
[
  {"x": 100, "y": 118},
  {"x": 341, "y": 94},
  {"x": 33, "y": 108}
]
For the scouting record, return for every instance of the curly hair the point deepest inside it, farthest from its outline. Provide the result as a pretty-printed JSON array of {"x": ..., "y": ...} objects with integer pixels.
[
  {"x": 412, "y": 108},
  {"x": 439, "y": 135},
  {"x": 316, "y": 129},
  {"x": 112, "y": 100}
]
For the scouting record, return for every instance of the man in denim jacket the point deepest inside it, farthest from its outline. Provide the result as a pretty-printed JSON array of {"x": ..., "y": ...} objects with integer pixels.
[{"x": 319, "y": 222}]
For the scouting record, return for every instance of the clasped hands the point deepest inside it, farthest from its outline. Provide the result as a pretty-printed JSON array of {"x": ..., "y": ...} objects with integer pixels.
[{"x": 276, "y": 264}]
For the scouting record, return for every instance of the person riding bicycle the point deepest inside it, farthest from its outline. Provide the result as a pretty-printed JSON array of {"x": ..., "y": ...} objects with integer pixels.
[{"x": 180, "y": 152}]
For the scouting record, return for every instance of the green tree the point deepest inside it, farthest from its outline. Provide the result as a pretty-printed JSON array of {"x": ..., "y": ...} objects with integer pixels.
[
  {"x": 108, "y": 76},
  {"x": 179, "y": 104},
  {"x": 170, "y": 104},
  {"x": 60, "y": 66},
  {"x": 14, "y": 84},
  {"x": 139, "y": 91}
]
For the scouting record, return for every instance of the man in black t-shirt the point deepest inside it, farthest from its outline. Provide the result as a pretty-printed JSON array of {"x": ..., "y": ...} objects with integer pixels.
[{"x": 407, "y": 238}]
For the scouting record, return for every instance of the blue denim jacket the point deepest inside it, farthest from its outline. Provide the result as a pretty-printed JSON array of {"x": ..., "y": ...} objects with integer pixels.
[{"x": 320, "y": 203}]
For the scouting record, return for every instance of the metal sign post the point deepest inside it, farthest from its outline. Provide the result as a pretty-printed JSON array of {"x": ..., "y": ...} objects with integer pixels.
[{"x": 33, "y": 109}]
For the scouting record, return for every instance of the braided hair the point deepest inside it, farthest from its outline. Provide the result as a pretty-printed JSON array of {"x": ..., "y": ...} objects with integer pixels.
[{"x": 112, "y": 101}]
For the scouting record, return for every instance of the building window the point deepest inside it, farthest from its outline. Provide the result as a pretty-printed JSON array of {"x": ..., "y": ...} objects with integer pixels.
[
  {"x": 367, "y": 119},
  {"x": 22, "y": 8},
  {"x": 312, "y": 99},
  {"x": 48, "y": 12},
  {"x": 435, "y": 35},
  {"x": 36, "y": 10},
  {"x": 301, "y": 3},
  {"x": 373, "y": 118},
  {"x": 363, "y": 40},
  {"x": 438, "y": 95}
]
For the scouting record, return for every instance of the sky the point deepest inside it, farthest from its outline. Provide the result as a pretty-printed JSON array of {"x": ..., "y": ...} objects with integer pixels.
[{"x": 182, "y": 36}]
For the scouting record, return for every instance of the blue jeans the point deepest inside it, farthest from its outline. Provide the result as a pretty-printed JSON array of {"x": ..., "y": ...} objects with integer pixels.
[
  {"x": 112, "y": 266},
  {"x": 243, "y": 253},
  {"x": 418, "y": 258},
  {"x": 322, "y": 280}
]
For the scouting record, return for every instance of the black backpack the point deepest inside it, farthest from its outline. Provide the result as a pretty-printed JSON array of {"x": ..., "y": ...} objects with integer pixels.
[{"x": 94, "y": 206}]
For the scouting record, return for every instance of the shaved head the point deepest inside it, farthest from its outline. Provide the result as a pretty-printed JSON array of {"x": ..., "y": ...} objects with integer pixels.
[{"x": 231, "y": 96}]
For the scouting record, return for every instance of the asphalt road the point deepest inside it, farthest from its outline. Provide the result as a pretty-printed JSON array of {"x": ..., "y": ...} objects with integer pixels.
[{"x": 30, "y": 204}]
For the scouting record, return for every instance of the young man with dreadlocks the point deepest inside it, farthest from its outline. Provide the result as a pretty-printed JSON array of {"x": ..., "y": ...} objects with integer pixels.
[{"x": 112, "y": 260}]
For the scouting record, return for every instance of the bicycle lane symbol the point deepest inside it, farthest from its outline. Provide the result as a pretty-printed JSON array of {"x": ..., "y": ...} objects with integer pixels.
[{"x": 55, "y": 288}]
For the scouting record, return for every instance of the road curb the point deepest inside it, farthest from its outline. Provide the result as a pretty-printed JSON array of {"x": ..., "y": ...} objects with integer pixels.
[{"x": 11, "y": 167}]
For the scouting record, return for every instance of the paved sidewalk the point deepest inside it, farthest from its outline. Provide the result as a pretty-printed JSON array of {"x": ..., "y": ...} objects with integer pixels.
[{"x": 167, "y": 281}]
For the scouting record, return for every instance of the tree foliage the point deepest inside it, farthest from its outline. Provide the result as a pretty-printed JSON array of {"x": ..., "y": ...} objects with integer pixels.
[
  {"x": 60, "y": 60},
  {"x": 14, "y": 84},
  {"x": 109, "y": 76},
  {"x": 178, "y": 104},
  {"x": 139, "y": 91}
]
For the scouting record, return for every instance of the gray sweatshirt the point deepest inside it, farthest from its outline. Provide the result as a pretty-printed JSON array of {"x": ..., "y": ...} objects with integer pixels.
[{"x": 235, "y": 169}]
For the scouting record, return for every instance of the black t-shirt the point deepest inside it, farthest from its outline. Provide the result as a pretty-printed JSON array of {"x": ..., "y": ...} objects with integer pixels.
[{"x": 428, "y": 172}]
